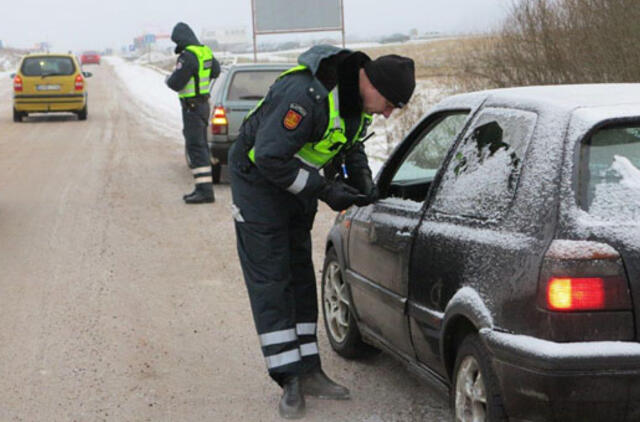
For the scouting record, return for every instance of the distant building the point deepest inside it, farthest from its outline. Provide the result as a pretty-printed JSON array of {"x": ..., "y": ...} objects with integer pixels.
[{"x": 225, "y": 38}]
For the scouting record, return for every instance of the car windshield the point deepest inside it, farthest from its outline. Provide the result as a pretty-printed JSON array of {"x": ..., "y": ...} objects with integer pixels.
[
  {"x": 609, "y": 177},
  {"x": 43, "y": 66},
  {"x": 251, "y": 85}
]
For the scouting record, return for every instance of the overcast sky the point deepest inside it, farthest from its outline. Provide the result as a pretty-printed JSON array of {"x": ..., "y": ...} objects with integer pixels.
[{"x": 97, "y": 24}]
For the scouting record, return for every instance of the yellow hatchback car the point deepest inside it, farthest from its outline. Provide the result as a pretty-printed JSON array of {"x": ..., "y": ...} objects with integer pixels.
[{"x": 49, "y": 83}]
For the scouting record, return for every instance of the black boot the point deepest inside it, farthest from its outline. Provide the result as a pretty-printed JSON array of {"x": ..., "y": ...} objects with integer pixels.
[
  {"x": 292, "y": 402},
  {"x": 202, "y": 194},
  {"x": 317, "y": 384}
]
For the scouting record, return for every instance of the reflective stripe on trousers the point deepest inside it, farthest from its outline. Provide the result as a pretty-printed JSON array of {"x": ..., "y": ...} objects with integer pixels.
[
  {"x": 293, "y": 355},
  {"x": 202, "y": 174}
]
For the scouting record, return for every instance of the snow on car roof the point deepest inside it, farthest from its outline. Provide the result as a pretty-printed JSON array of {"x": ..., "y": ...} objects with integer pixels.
[{"x": 606, "y": 98}]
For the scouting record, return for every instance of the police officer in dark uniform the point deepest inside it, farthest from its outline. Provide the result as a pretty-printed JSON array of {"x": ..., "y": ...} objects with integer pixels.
[
  {"x": 313, "y": 118},
  {"x": 195, "y": 68}
]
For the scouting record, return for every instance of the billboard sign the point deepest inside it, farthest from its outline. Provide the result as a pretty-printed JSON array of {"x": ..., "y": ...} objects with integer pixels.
[{"x": 274, "y": 16}]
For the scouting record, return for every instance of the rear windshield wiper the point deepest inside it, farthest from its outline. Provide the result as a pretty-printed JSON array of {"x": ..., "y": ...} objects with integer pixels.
[
  {"x": 250, "y": 97},
  {"x": 44, "y": 75}
]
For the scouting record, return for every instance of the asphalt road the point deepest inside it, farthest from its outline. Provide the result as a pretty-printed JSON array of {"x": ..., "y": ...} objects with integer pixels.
[{"x": 118, "y": 302}]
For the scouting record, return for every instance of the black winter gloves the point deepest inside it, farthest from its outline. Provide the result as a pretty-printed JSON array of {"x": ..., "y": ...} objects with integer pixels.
[
  {"x": 364, "y": 183},
  {"x": 340, "y": 196}
]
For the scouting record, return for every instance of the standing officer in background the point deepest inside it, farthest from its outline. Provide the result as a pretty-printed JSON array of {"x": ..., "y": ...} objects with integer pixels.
[
  {"x": 195, "y": 68},
  {"x": 314, "y": 117}
]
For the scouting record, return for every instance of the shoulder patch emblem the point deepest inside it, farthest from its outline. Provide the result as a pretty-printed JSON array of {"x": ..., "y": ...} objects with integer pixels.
[
  {"x": 298, "y": 108},
  {"x": 292, "y": 119},
  {"x": 179, "y": 65}
]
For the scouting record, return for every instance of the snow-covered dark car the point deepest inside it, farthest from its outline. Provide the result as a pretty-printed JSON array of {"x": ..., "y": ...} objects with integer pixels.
[{"x": 503, "y": 259}]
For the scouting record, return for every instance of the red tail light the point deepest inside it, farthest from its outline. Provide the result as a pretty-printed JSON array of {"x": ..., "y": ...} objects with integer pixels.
[
  {"x": 79, "y": 82},
  {"x": 17, "y": 84},
  {"x": 587, "y": 294},
  {"x": 583, "y": 276},
  {"x": 567, "y": 294},
  {"x": 219, "y": 122}
]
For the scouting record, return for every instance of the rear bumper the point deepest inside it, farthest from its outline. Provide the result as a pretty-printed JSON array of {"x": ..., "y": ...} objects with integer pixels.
[
  {"x": 220, "y": 149},
  {"x": 547, "y": 381},
  {"x": 43, "y": 103}
]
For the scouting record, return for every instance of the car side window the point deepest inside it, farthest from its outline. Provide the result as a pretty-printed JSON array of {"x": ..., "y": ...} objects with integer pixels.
[
  {"x": 481, "y": 178},
  {"x": 420, "y": 165}
]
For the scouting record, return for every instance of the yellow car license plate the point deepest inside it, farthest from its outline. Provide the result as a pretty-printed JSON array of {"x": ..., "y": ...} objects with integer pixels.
[{"x": 48, "y": 87}]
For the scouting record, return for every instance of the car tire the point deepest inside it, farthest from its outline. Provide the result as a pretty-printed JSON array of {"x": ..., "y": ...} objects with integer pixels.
[
  {"x": 216, "y": 172},
  {"x": 339, "y": 320},
  {"x": 475, "y": 393},
  {"x": 17, "y": 115},
  {"x": 82, "y": 114}
]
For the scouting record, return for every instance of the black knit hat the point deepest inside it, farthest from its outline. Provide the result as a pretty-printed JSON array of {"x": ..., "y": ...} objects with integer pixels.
[{"x": 393, "y": 76}]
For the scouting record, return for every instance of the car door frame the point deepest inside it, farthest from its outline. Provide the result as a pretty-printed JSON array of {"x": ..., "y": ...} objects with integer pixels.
[{"x": 398, "y": 300}]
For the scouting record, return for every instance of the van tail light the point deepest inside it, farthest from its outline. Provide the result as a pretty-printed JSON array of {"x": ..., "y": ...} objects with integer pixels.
[
  {"x": 583, "y": 276},
  {"x": 219, "y": 122},
  {"x": 79, "y": 82},
  {"x": 17, "y": 84}
]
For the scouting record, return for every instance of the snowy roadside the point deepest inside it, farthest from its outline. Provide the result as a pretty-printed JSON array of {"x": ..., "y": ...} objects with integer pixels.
[
  {"x": 6, "y": 85},
  {"x": 158, "y": 104}
]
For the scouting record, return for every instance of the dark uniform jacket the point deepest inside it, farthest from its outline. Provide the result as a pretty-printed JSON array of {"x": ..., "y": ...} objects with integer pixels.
[
  {"x": 187, "y": 64},
  {"x": 306, "y": 93}
]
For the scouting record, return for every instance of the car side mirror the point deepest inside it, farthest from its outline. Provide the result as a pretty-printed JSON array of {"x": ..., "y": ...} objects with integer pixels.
[
  {"x": 87, "y": 74},
  {"x": 13, "y": 75}
]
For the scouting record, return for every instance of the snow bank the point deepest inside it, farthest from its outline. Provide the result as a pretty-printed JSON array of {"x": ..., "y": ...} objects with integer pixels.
[{"x": 154, "y": 100}]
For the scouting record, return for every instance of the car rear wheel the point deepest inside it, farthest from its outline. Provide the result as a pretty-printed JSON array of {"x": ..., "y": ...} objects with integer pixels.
[
  {"x": 216, "y": 172},
  {"x": 82, "y": 114},
  {"x": 18, "y": 115},
  {"x": 339, "y": 320},
  {"x": 475, "y": 395}
]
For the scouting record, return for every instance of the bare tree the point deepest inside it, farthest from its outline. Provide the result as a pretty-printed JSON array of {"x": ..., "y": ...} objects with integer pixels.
[{"x": 558, "y": 41}]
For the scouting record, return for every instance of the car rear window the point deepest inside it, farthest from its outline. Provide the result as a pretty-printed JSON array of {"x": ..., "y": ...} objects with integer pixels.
[
  {"x": 251, "y": 85},
  {"x": 47, "y": 66},
  {"x": 609, "y": 176}
]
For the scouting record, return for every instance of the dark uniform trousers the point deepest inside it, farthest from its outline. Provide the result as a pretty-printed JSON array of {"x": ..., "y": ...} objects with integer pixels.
[
  {"x": 195, "y": 116},
  {"x": 273, "y": 229}
]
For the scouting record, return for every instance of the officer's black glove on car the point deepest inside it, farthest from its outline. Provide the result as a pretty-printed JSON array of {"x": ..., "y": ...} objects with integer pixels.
[
  {"x": 340, "y": 196},
  {"x": 364, "y": 183}
]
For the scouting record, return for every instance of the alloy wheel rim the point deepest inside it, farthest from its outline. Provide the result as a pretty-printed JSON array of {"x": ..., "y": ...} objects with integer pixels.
[
  {"x": 336, "y": 303},
  {"x": 470, "y": 394}
]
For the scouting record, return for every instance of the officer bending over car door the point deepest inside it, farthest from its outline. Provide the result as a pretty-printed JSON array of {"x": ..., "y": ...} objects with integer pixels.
[
  {"x": 195, "y": 68},
  {"x": 314, "y": 116}
]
